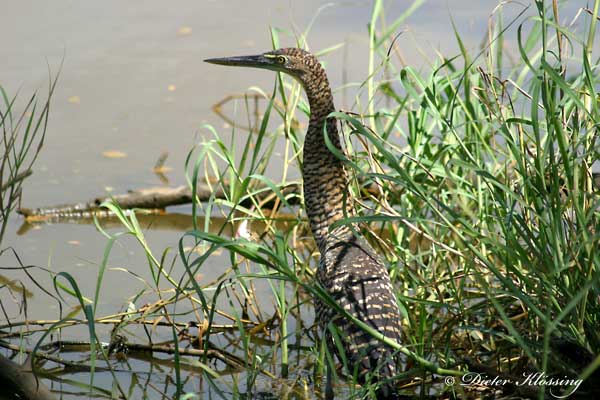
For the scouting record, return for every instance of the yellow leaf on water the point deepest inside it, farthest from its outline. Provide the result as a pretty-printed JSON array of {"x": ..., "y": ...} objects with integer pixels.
[
  {"x": 74, "y": 100},
  {"x": 171, "y": 88},
  {"x": 162, "y": 169},
  {"x": 114, "y": 154},
  {"x": 184, "y": 31}
]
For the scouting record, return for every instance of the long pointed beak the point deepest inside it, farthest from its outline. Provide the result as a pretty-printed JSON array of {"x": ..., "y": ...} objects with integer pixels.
[{"x": 257, "y": 61}]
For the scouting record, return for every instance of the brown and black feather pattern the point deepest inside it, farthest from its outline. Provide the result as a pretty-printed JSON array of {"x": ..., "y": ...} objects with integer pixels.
[{"x": 349, "y": 269}]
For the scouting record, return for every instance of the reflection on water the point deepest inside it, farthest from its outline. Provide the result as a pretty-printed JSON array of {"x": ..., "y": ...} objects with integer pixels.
[{"x": 170, "y": 222}]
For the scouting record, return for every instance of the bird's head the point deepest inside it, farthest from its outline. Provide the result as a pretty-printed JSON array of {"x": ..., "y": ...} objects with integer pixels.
[{"x": 296, "y": 62}]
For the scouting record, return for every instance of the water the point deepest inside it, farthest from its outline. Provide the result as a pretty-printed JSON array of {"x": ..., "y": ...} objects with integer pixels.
[{"x": 133, "y": 80}]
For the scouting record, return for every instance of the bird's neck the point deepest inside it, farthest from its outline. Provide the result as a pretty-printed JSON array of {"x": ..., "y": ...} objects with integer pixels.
[{"x": 325, "y": 180}]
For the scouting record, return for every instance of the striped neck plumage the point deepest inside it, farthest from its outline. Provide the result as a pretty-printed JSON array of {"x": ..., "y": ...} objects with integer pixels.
[{"x": 325, "y": 180}]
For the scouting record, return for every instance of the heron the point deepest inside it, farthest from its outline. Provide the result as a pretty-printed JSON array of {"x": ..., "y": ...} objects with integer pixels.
[{"x": 349, "y": 269}]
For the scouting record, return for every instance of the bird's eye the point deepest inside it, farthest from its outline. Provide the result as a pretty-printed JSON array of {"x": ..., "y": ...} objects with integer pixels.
[{"x": 280, "y": 60}]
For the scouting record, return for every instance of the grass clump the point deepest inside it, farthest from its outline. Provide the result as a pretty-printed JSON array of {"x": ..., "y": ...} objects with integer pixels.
[
  {"x": 21, "y": 140},
  {"x": 485, "y": 206}
]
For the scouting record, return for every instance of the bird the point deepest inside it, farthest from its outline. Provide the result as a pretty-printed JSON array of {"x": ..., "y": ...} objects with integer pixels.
[{"x": 349, "y": 269}]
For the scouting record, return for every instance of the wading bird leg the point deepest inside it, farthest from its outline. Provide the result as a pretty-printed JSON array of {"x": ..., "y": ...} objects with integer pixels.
[{"x": 329, "y": 382}]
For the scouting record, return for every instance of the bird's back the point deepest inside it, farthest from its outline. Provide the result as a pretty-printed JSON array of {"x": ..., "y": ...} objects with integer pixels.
[{"x": 358, "y": 281}]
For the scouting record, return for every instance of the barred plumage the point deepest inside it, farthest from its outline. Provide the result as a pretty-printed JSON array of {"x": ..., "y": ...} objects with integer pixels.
[{"x": 349, "y": 268}]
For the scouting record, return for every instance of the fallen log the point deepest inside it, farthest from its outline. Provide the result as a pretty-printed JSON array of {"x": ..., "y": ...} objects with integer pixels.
[{"x": 154, "y": 199}]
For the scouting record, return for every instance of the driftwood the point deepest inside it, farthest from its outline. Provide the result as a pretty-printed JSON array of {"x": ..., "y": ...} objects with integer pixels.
[
  {"x": 154, "y": 199},
  {"x": 19, "y": 381}
]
